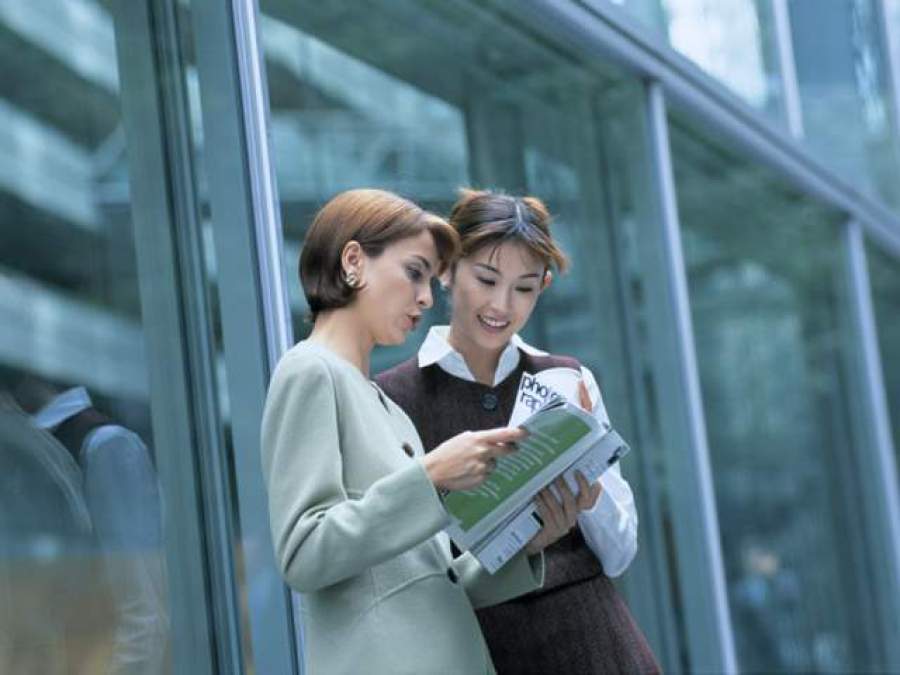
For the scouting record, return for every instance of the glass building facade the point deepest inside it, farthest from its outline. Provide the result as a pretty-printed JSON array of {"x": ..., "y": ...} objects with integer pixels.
[{"x": 724, "y": 175}]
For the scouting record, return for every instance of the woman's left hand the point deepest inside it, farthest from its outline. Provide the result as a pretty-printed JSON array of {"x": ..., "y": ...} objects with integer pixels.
[{"x": 560, "y": 515}]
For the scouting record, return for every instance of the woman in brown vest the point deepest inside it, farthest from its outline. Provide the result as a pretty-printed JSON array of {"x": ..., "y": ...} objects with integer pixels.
[{"x": 465, "y": 376}]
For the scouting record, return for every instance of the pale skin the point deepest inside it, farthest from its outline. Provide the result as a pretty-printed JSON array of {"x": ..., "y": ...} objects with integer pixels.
[
  {"x": 395, "y": 289},
  {"x": 494, "y": 291}
]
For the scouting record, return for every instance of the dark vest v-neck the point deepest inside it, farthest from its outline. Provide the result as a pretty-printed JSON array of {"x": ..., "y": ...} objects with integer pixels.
[{"x": 441, "y": 406}]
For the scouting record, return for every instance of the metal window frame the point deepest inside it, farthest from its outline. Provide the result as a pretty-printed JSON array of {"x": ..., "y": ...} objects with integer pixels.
[
  {"x": 648, "y": 585},
  {"x": 254, "y": 305},
  {"x": 700, "y": 568},
  {"x": 876, "y": 464},
  {"x": 161, "y": 201},
  {"x": 793, "y": 108}
]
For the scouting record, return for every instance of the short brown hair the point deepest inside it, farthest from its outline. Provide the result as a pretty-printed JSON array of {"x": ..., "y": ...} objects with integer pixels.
[
  {"x": 483, "y": 217},
  {"x": 374, "y": 219}
]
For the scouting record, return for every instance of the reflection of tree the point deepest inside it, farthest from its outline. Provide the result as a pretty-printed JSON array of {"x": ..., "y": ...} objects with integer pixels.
[
  {"x": 771, "y": 481},
  {"x": 762, "y": 266}
]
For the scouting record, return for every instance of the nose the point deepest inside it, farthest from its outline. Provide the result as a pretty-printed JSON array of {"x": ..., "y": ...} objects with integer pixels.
[
  {"x": 500, "y": 299},
  {"x": 425, "y": 299}
]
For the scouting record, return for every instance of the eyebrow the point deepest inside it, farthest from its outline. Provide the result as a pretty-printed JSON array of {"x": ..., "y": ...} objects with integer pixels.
[{"x": 491, "y": 268}]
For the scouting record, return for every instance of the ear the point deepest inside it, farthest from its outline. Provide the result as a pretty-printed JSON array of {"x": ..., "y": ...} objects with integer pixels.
[
  {"x": 547, "y": 280},
  {"x": 352, "y": 257}
]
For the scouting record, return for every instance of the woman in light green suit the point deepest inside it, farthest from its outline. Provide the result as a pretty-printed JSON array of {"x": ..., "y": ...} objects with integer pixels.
[{"x": 354, "y": 502}]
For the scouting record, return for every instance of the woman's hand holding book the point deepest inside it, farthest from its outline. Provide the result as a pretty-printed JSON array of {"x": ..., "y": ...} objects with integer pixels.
[{"x": 465, "y": 461}]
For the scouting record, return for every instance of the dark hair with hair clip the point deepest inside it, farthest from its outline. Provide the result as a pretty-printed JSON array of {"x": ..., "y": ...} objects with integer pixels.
[{"x": 484, "y": 218}]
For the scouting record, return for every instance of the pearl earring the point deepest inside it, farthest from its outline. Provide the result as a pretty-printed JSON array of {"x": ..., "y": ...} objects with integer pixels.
[{"x": 351, "y": 278}]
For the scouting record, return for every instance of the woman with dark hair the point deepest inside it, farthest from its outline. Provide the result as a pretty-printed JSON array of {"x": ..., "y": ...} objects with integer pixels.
[
  {"x": 466, "y": 376},
  {"x": 354, "y": 502}
]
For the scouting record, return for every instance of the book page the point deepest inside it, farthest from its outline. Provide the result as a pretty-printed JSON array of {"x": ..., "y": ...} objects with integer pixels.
[{"x": 551, "y": 434}]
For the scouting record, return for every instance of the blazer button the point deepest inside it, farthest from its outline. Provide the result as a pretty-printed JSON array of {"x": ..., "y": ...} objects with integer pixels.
[
  {"x": 489, "y": 401},
  {"x": 407, "y": 448},
  {"x": 452, "y": 575}
]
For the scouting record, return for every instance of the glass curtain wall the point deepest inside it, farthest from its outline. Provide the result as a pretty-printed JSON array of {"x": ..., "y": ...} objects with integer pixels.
[
  {"x": 841, "y": 66},
  {"x": 765, "y": 278},
  {"x": 845, "y": 95},
  {"x": 82, "y": 571},
  {"x": 732, "y": 40},
  {"x": 425, "y": 97}
]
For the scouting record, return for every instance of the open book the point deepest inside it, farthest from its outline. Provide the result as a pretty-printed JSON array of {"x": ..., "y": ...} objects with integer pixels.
[{"x": 495, "y": 520}]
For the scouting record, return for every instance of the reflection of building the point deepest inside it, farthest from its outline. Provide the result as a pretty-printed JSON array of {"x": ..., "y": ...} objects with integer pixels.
[{"x": 724, "y": 177}]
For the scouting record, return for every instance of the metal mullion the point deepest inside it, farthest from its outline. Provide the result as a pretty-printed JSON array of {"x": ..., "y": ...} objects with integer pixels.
[
  {"x": 269, "y": 233},
  {"x": 695, "y": 522},
  {"x": 247, "y": 239},
  {"x": 210, "y": 444},
  {"x": 648, "y": 581},
  {"x": 876, "y": 461},
  {"x": 787, "y": 67},
  {"x": 165, "y": 326}
]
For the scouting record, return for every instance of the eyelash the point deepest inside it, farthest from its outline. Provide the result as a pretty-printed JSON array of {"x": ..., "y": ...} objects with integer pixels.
[
  {"x": 491, "y": 282},
  {"x": 414, "y": 274}
]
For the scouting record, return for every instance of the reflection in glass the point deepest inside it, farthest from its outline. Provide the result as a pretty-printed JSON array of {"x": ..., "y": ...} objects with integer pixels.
[
  {"x": 343, "y": 118},
  {"x": 764, "y": 273},
  {"x": 81, "y": 568},
  {"x": 842, "y": 75},
  {"x": 732, "y": 40}
]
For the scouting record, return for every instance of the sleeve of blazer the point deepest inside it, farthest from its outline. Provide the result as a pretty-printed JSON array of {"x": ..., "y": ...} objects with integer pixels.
[
  {"x": 321, "y": 536},
  {"x": 520, "y": 575}
]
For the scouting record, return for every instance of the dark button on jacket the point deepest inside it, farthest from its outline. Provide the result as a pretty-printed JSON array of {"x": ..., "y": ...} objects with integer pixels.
[{"x": 489, "y": 401}]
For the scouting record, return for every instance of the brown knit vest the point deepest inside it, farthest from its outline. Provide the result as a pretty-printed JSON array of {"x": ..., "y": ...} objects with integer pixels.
[{"x": 441, "y": 406}]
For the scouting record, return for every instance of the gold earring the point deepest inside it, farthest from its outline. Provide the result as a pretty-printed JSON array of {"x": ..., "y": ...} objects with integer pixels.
[{"x": 351, "y": 278}]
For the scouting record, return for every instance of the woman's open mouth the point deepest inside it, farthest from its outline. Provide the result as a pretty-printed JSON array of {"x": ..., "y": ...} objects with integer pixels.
[{"x": 492, "y": 325}]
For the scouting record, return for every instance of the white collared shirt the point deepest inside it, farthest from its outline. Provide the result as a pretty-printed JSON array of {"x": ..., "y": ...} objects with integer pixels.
[
  {"x": 66, "y": 405},
  {"x": 610, "y": 528}
]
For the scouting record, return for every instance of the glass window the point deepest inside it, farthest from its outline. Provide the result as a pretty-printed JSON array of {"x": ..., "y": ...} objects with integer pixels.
[
  {"x": 765, "y": 278},
  {"x": 732, "y": 40},
  {"x": 842, "y": 74},
  {"x": 82, "y": 572},
  {"x": 884, "y": 276}
]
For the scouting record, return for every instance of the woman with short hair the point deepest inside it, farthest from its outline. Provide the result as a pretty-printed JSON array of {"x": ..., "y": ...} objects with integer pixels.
[
  {"x": 466, "y": 375},
  {"x": 354, "y": 502}
]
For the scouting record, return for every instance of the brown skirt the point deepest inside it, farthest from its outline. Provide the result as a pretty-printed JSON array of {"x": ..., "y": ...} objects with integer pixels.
[{"x": 584, "y": 627}]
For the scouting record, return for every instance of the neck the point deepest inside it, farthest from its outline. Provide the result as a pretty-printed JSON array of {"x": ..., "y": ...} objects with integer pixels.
[
  {"x": 481, "y": 362},
  {"x": 339, "y": 331}
]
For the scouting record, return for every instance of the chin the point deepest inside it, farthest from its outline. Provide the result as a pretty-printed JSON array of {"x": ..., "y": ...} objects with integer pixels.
[
  {"x": 489, "y": 341},
  {"x": 393, "y": 338}
]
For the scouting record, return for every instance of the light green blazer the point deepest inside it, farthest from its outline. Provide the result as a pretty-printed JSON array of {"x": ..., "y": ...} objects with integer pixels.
[{"x": 357, "y": 527}]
